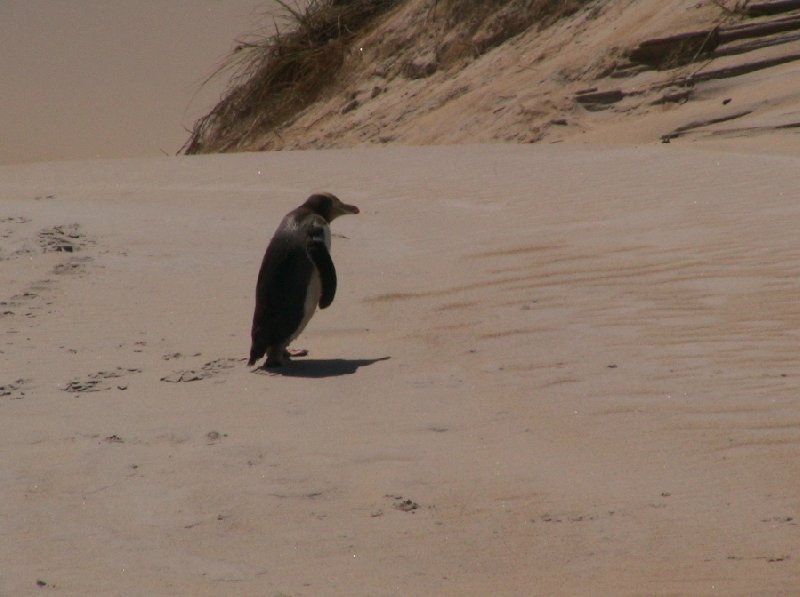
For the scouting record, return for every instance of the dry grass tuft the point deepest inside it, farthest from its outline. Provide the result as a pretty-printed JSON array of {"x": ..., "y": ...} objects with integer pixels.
[
  {"x": 277, "y": 76},
  {"x": 483, "y": 25}
]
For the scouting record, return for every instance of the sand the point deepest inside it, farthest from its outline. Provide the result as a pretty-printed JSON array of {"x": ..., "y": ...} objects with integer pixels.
[
  {"x": 548, "y": 369},
  {"x": 528, "y": 89},
  {"x": 568, "y": 368},
  {"x": 111, "y": 78}
]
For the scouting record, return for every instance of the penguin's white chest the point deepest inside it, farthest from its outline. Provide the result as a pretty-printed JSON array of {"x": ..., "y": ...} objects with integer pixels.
[
  {"x": 312, "y": 300},
  {"x": 313, "y": 293}
]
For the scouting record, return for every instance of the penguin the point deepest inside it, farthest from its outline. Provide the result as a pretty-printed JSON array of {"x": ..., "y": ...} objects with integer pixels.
[{"x": 296, "y": 275}]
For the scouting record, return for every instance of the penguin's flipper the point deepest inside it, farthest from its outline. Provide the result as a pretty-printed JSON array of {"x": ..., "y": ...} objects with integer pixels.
[{"x": 318, "y": 252}]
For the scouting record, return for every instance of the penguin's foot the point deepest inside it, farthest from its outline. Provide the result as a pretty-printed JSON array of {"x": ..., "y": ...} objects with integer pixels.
[
  {"x": 276, "y": 357},
  {"x": 279, "y": 358}
]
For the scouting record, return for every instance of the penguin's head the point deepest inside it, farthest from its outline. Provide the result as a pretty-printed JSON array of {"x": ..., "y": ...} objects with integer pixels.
[{"x": 328, "y": 206}]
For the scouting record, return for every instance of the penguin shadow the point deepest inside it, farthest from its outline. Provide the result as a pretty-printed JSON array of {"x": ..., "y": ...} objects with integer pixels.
[{"x": 318, "y": 368}]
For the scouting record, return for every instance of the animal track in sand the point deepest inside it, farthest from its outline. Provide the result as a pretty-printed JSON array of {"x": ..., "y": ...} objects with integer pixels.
[
  {"x": 98, "y": 382},
  {"x": 27, "y": 302},
  {"x": 780, "y": 520},
  {"x": 18, "y": 240},
  {"x": 74, "y": 265},
  {"x": 34, "y": 297},
  {"x": 402, "y": 504},
  {"x": 14, "y": 244},
  {"x": 65, "y": 238},
  {"x": 567, "y": 518},
  {"x": 15, "y": 390},
  {"x": 210, "y": 369},
  {"x": 214, "y": 437}
]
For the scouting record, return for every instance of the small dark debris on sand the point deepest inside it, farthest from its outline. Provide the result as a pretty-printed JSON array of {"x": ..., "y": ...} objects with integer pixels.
[
  {"x": 96, "y": 382},
  {"x": 402, "y": 504},
  {"x": 213, "y": 437},
  {"x": 15, "y": 390},
  {"x": 66, "y": 238}
]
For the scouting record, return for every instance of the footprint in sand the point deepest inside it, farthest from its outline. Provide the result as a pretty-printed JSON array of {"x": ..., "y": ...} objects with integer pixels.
[
  {"x": 26, "y": 302},
  {"x": 8, "y": 233},
  {"x": 403, "y": 504},
  {"x": 210, "y": 369},
  {"x": 65, "y": 238},
  {"x": 13, "y": 237},
  {"x": 74, "y": 265},
  {"x": 20, "y": 241},
  {"x": 98, "y": 382},
  {"x": 15, "y": 390}
]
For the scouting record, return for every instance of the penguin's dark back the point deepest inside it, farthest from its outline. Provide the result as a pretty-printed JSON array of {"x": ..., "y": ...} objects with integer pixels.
[{"x": 281, "y": 289}]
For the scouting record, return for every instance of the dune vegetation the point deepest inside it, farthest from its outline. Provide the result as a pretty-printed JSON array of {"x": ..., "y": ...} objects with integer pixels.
[{"x": 274, "y": 77}]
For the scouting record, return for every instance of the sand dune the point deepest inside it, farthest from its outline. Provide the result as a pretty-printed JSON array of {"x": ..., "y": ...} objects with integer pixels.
[
  {"x": 548, "y": 370},
  {"x": 419, "y": 76}
]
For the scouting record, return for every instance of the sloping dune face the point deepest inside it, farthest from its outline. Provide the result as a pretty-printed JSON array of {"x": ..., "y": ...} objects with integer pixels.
[
  {"x": 525, "y": 71},
  {"x": 546, "y": 367}
]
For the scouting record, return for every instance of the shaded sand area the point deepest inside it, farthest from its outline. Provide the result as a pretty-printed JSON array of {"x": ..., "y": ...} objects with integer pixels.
[{"x": 548, "y": 370}]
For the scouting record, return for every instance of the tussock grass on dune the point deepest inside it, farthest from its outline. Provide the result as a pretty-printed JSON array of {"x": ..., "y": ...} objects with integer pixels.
[
  {"x": 483, "y": 25},
  {"x": 278, "y": 75}
]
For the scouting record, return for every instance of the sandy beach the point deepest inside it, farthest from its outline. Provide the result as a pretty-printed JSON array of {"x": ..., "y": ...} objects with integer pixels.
[
  {"x": 567, "y": 365},
  {"x": 548, "y": 370}
]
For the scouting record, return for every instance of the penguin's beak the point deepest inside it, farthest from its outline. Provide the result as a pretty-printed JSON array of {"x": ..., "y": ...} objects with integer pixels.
[{"x": 349, "y": 209}]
